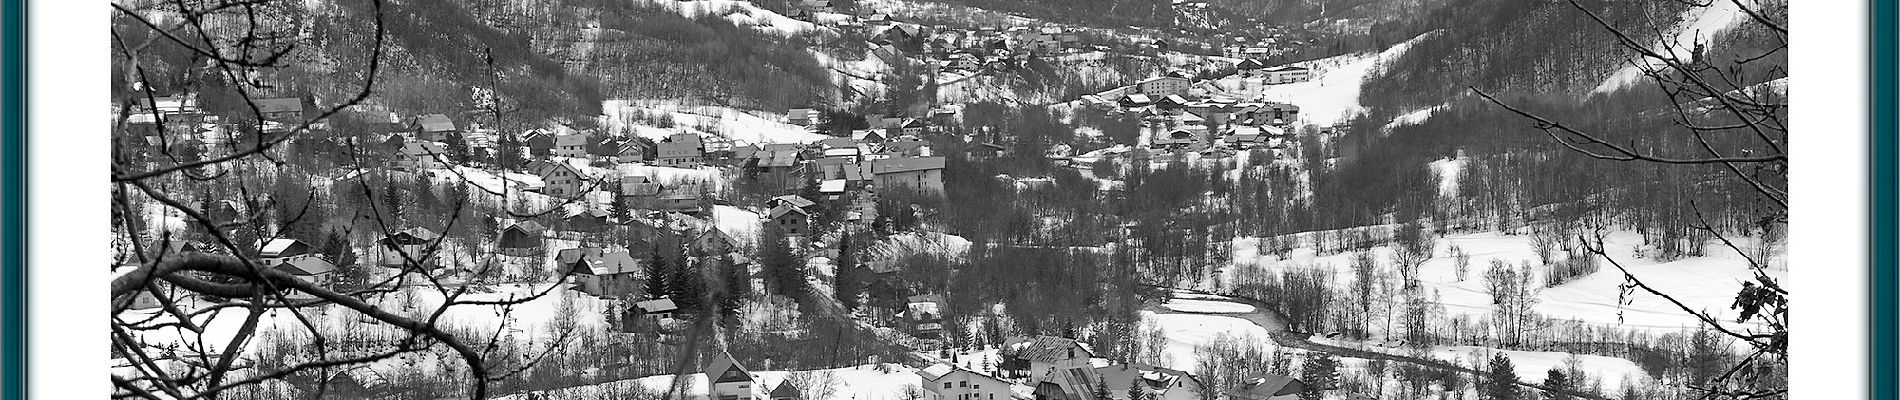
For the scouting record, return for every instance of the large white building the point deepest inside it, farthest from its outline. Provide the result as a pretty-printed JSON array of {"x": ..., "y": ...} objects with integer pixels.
[
  {"x": 1162, "y": 86},
  {"x": 1286, "y": 74}
]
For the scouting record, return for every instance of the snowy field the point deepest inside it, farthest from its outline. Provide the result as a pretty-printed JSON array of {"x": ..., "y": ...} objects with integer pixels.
[
  {"x": 1185, "y": 326},
  {"x": 1703, "y": 283},
  {"x": 1206, "y": 306},
  {"x": 733, "y": 124}
]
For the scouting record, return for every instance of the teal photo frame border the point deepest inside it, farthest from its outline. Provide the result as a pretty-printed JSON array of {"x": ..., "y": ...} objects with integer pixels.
[
  {"x": 1883, "y": 271},
  {"x": 13, "y": 136}
]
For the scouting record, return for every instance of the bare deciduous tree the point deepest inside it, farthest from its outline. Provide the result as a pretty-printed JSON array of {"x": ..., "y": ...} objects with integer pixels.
[
  {"x": 1726, "y": 112},
  {"x": 174, "y": 281}
]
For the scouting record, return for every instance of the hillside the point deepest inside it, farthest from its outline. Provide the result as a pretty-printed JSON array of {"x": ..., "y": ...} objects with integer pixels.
[
  {"x": 726, "y": 53},
  {"x": 433, "y": 57}
]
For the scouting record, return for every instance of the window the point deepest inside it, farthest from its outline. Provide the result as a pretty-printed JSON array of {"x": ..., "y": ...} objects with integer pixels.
[
  {"x": 946, "y": 385},
  {"x": 963, "y": 384}
]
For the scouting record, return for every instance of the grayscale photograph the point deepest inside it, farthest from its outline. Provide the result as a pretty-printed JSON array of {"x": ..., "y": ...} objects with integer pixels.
[{"x": 948, "y": 199}]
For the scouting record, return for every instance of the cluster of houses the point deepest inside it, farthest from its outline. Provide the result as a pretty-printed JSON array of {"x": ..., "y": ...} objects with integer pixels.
[
  {"x": 977, "y": 49},
  {"x": 1057, "y": 368},
  {"x": 176, "y": 121},
  {"x": 949, "y": 48},
  {"x": 1179, "y": 115}
]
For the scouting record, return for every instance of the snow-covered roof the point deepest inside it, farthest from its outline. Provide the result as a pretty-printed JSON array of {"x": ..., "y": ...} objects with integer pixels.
[
  {"x": 435, "y": 123},
  {"x": 831, "y": 186},
  {"x": 794, "y": 200},
  {"x": 277, "y": 246},
  {"x": 306, "y": 266},
  {"x": 659, "y": 305},
  {"x": 905, "y": 164}
]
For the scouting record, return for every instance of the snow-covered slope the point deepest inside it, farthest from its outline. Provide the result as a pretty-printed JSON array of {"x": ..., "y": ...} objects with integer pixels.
[
  {"x": 1332, "y": 95},
  {"x": 1697, "y": 26},
  {"x": 742, "y": 126},
  {"x": 741, "y": 13},
  {"x": 1703, "y": 283}
]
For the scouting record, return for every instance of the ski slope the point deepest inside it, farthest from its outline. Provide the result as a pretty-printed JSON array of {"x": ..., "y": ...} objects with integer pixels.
[
  {"x": 1698, "y": 25},
  {"x": 1332, "y": 95}
]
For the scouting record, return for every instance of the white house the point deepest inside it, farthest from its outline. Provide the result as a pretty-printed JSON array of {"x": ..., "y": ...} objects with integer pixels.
[
  {"x": 570, "y": 145},
  {"x": 565, "y": 180},
  {"x": 948, "y": 382},
  {"x": 683, "y": 150},
  {"x": 731, "y": 381}
]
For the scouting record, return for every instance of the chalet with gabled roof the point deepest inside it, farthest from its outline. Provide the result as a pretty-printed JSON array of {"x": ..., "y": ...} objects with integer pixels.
[
  {"x": 786, "y": 391},
  {"x": 570, "y": 146},
  {"x": 434, "y": 127},
  {"x": 310, "y": 269},
  {"x": 564, "y": 180},
  {"x": 420, "y": 155},
  {"x": 588, "y": 219},
  {"x": 682, "y": 150},
  {"x": 1266, "y": 386},
  {"x": 792, "y": 220},
  {"x": 1041, "y": 356},
  {"x": 714, "y": 241},
  {"x": 613, "y": 275},
  {"x": 277, "y": 249},
  {"x": 730, "y": 381},
  {"x": 409, "y": 245}
]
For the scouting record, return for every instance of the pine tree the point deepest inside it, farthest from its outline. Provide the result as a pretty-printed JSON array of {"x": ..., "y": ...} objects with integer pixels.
[
  {"x": 1500, "y": 380},
  {"x": 849, "y": 284},
  {"x": 457, "y": 147},
  {"x": 1138, "y": 390},
  {"x": 783, "y": 275},
  {"x": 689, "y": 288},
  {"x": 738, "y": 286},
  {"x": 657, "y": 278},
  {"x": 1321, "y": 373},
  {"x": 426, "y": 199},
  {"x": 1101, "y": 389},
  {"x": 392, "y": 202},
  {"x": 1560, "y": 384},
  {"x": 623, "y": 208}
]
